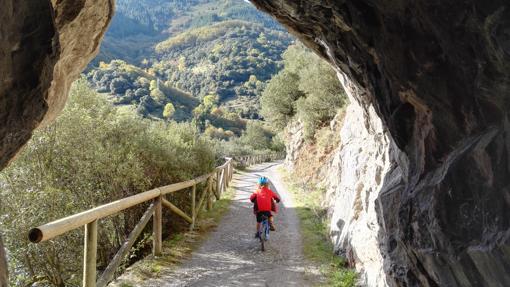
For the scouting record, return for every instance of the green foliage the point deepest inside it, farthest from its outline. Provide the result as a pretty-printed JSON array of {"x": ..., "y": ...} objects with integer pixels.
[
  {"x": 215, "y": 122},
  {"x": 140, "y": 24},
  {"x": 130, "y": 85},
  {"x": 257, "y": 139},
  {"x": 93, "y": 154},
  {"x": 169, "y": 111},
  {"x": 278, "y": 100},
  {"x": 224, "y": 59},
  {"x": 189, "y": 50},
  {"x": 306, "y": 89},
  {"x": 256, "y": 136}
]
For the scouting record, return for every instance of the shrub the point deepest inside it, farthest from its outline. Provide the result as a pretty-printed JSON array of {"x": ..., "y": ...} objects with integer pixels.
[
  {"x": 256, "y": 136},
  {"x": 307, "y": 89},
  {"x": 92, "y": 154}
]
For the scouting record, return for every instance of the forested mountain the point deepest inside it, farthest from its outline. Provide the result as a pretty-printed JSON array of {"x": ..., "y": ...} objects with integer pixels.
[
  {"x": 231, "y": 59},
  {"x": 161, "y": 54},
  {"x": 138, "y": 25}
]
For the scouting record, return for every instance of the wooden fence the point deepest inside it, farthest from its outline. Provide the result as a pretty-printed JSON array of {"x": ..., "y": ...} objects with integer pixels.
[
  {"x": 254, "y": 159},
  {"x": 216, "y": 183}
]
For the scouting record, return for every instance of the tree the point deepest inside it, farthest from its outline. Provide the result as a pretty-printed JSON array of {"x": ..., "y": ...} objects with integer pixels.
[
  {"x": 168, "y": 111},
  {"x": 307, "y": 89},
  {"x": 278, "y": 100},
  {"x": 153, "y": 85},
  {"x": 210, "y": 101},
  {"x": 257, "y": 136},
  {"x": 118, "y": 86},
  {"x": 157, "y": 95}
]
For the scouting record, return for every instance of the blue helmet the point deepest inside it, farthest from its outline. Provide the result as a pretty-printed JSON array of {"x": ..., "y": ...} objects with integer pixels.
[{"x": 263, "y": 180}]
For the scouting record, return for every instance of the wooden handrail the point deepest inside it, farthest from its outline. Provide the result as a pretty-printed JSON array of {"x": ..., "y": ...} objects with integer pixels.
[
  {"x": 61, "y": 226},
  {"x": 89, "y": 219}
]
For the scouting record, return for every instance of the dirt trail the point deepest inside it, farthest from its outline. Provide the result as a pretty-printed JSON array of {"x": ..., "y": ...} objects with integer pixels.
[{"x": 231, "y": 255}]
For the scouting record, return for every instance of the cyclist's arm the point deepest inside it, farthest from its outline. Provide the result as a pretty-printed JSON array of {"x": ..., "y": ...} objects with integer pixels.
[
  {"x": 253, "y": 197},
  {"x": 276, "y": 197}
]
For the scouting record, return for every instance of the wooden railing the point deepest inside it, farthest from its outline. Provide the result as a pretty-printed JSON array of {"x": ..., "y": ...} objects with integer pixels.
[
  {"x": 256, "y": 159},
  {"x": 216, "y": 183}
]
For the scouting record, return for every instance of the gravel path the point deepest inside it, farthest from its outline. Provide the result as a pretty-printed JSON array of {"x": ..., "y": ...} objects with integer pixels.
[{"x": 231, "y": 255}]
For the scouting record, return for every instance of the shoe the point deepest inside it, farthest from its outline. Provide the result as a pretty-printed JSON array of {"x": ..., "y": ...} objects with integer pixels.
[{"x": 271, "y": 227}]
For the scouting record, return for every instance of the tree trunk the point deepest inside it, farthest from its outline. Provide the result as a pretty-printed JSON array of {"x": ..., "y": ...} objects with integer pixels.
[{"x": 4, "y": 282}]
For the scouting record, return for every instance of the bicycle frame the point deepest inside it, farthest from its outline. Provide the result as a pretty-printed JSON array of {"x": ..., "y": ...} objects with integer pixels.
[{"x": 264, "y": 232}]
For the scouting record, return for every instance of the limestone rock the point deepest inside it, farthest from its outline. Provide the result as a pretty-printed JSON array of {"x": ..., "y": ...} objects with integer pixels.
[
  {"x": 296, "y": 139},
  {"x": 353, "y": 183},
  {"x": 438, "y": 76},
  {"x": 44, "y": 46}
]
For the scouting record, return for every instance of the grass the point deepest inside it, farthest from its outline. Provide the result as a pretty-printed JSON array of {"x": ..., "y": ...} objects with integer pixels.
[
  {"x": 178, "y": 247},
  {"x": 317, "y": 246}
]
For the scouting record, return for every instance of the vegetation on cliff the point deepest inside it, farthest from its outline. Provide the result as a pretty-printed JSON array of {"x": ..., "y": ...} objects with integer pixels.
[{"x": 307, "y": 89}]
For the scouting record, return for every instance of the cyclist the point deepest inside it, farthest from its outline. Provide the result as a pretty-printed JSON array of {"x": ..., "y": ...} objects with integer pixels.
[{"x": 263, "y": 203}]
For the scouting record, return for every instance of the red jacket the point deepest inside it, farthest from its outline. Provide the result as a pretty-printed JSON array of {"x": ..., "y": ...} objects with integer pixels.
[{"x": 263, "y": 199}]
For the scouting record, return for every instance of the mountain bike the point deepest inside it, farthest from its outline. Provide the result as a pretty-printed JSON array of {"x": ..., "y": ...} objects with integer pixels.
[{"x": 264, "y": 232}]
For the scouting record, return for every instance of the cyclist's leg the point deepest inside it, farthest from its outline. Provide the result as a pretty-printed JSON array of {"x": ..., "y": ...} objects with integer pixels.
[
  {"x": 271, "y": 223},
  {"x": 259, "y": 221}
]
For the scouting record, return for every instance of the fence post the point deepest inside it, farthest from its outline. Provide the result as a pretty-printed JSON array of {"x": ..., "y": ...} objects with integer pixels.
[
  {"x": 209, "y": 201},
  {"x": 193, "y": 204},
  {"x": 210, "y": 187},
  {"x": 90, "y": 253},
  {"x": 223, "y": 181},
  {"x": 225, "y": 175},
  {"x": 231, "y": 171},
  {"x": 157, "y": 227},
  {"x": 218, "y": 186}
]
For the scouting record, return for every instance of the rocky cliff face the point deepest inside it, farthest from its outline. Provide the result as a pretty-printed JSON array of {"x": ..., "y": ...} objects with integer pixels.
[
  {"x": 354, "y": 180},
  {"x": 44, "y": 46},
  {"x": 352, "y": 176},
  {"x": 437, "y": 75}
]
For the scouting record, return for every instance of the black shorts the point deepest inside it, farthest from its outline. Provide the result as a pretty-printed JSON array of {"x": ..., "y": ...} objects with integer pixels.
[{"x": 261, "y": 214}]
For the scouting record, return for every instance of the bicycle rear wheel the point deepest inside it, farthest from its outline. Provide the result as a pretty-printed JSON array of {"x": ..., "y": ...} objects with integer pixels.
[{"x": 264, "y": 234}]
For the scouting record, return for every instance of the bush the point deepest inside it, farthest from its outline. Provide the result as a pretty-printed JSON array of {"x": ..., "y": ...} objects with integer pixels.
[
  {"x": 257, "y": 137},
  {"x": 92, "y": 154},
  {"x": 306, "y": 89},
  {"x": 278, "y": 101}
]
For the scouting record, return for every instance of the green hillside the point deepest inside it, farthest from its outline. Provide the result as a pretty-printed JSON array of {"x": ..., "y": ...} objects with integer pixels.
[
  {"x": 126, "y": 84},
  {"x": 160, "y": 52},
  {"x": 138, "y": 25},
  {"x": 232, "y": 59}
]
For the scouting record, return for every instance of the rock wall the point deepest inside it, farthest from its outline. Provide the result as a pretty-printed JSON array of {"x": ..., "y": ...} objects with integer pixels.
[
  {"x": 437, "y": 74},
  {"x": 354, "y": 181},
  {"x": 44, "y": 46},
  {"x": 352, "y": 177}
]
